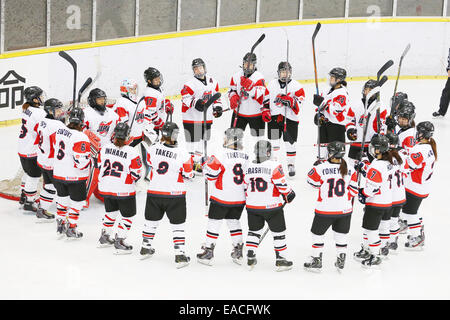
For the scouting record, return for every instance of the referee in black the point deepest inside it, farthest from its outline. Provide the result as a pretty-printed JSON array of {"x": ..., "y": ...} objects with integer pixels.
[{"x": 445, "y": 97}]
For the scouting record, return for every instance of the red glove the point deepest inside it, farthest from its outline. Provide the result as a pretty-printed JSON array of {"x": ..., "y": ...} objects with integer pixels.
[
  {"x": 266, "y": 115},
  {"x": 285, "y": 100},
  {"x": 234, "y": 101},
  {"x": 159, "y": 124},
  {"x": 246, "y": 83},
  {"x": 168, "y": 106}
]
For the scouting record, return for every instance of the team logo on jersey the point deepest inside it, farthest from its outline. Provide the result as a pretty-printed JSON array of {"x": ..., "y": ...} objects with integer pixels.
[
  {"x": 103, "y": 128},
  {"x": 361, "y": 121},
  {"x": 140, "y": 117},
  {"x": 206, "y": 95}
]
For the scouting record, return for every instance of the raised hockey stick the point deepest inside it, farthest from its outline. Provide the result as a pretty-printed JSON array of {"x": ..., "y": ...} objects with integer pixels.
[
  {"x": 260, "y": 39},
  {"x": 398, "y": 75},
  {"x": 386, "y": 66},
  {"x": 285, "y": 133},
  {"x": 72, "y": 62},
  {"x": 317, "y": 84},
  {"x": 86, "y": 84}
]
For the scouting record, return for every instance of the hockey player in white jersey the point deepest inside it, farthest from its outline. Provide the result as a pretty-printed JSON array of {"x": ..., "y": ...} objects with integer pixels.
[
  {"x": 225, "y": 169},
  {"x": 337, "y": 186},
  {"x": 195, "y": 93},
  {"x": 47, "y": 128},
  {"x": 120, "y": 167},
  {"x": 32, "y": 114},
  {"x": 334, "y": 107},
  {"x": 166, "y": 192},
  {"x": 283, "y": 105},
  {"x": 406, "y": 125},
  {"x": 421, "y": 160},
  {"x": 356, "y": 120},
  {"x": 266, "y": 188},
  {"x": 70, "y": 173},
  {"x": 245, "y": 99}
]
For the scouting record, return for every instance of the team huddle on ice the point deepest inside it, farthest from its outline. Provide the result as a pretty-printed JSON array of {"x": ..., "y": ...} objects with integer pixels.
[{"x": 104, "y": 150}]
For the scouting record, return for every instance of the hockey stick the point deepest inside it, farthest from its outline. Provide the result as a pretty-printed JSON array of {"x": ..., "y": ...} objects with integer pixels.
[
  {"x": 86, "y": 84},
  {"x": 285, "y": 133},
  {"x": 398, "y": 75},
  {"x": 386, "y": 66},
  {"x": 72, "y": 62},
  {"x": 317, "y": 84},
  {"x": 261, "y": 38},
  {"x": 267, "y": 229}
]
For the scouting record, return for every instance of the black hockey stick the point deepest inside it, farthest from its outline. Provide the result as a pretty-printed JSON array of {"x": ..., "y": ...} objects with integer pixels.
[
  {"x": 285, "y": 133},
  {"x": 398, "y": 75},
  {"x": 386, "y": 66},
  {"x": 86, "y": 84},
  {"x": 317, "y": 84},
  {"x": 260, "y": 39},
  {"x": 72, "y": 62}
]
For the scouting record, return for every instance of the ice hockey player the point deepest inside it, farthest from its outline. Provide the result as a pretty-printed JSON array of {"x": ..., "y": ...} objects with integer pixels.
[
  {"x": 332, "y": 110},
  {"x": 396, "y": 101},
  {"x": 247, "y": 93},
  {"x": 405, "y": 129},
  {"x": 282, "y": 106},
  {"x": 166, "y": 193},
  {"x": 47, "y": 128},
  {"x": 70, "y": 173},
  {"x": 377, "y": 197},
  {"x": 225, "y": 169},
  {"x": 120, "y": 167},
  {"x": 445, "y": 95},
  {"x": 99, "y": 124},
  {"x": 265, "y": 184},
  {"x": 195, "y": 93},
  {"x": 337, "y": 186},
  {"x": 421, "y": 161},
  {"x": 32, "y": 114},
  {"x": 356, "y": 119}
]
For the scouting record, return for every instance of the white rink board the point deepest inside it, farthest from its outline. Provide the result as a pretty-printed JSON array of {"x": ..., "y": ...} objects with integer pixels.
[{"x": 36, "y": 265}]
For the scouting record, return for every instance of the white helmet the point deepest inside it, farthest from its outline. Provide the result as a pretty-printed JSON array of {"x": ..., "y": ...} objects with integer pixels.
[{"x": 129, "y": 88}]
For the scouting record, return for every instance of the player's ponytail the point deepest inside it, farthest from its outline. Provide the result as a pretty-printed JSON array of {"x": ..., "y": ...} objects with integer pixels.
[
  {"x": 396, "y": 156},
  {"x": 343, "y": 169},
  {"x": 387, "y": 156},
  {"x": 119, "y": 142},
  {"x": 75, "y": 126},
  {"x": 25, "y": 106},
  {"x": 432, "y": 143}
]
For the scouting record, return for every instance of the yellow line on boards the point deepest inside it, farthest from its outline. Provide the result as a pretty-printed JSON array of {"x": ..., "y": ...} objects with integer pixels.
[
  {"x": 8, "y": 123},
  {"x": 86, "y": 45}
]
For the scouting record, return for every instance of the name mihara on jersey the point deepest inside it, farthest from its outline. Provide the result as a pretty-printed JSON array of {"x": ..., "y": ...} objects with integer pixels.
[{"x": 116, "y": 152}]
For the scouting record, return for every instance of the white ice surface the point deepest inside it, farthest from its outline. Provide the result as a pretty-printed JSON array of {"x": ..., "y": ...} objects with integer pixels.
[{"x": 33, "y": 264}]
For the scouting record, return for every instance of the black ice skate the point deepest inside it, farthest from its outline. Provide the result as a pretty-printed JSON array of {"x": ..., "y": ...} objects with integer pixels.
[
  {"x": 437, "y": 115},
  {"x": 146, "y": 250},
  {"x": 384, "y": 252},
  {"x": 105, "y": 240},
  {"x": 314, "y": 264},
  {"x": 340, "y": 262},
  {"x": 414, "y": 243},
  {"x": 371, "y": 261},
  {"x": 207, "y": 256},
  {"x": 121, "y": 246},
  {"x": 361, "y": 254},
  {"x": 282, "y": 264},
  {"x": 251, "y": 259},
  {"x": 403, "y": 225},
  {"x": 73, "y": 233},
  {"x": 30, "y": 206},
  {"x": 393, "y": 246},
  {"x": 22, "y": 198},
  {"x": 61, "y": 227},
  {"x": 291, "y": 170},
  {"x": 44, "y": 216},
  {"x": 181, "y": 260},
  {"x": 236, "y": 254}
]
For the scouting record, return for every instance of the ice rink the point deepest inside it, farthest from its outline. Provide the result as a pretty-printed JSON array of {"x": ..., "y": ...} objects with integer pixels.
[{"x": 34, "y": 265}]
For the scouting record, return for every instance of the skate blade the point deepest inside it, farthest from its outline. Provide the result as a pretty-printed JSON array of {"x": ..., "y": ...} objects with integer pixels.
[
  {"x": 238, "y": 261},
  {"x": 146, "y": 256},
  {"x": 180, "y": 265},
  {"x": 71, "y": 239},
  {"x": 43, "y": 220},
  {"x": 104, "y": 245},
  {"x": 393, "y": 252},
  {"x": 29, "y": 213},
  {"x": 119, "y": 252},
  {"x": 313, "y": 270},
  {"x": 205, "y": 262},
  {"x": 250, "y": 268},
  {"x": 371, "y": 267},
  {"x": 60, "y": 236},
  {"x": 283, "y": 268},
  {"x": 417, "y": 248},
  {"x": 339, "y": 270}
]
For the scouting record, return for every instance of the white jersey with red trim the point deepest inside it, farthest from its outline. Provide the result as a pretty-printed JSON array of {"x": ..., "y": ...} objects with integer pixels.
[
  {"x": 406, "y": 138},
  {"x": 356, "y": 119},
  {"x": 335, "y": 192},
  {"x": 378, "y": 187},
  {"x": 265, "y": 182},
  {"x": 225, "y": 169},
  {"x": 398, "y": 179},
  {"x": 251, "y": 102},
  {"x": 28, "y": 138},
  {"x": 120, "y": 168},
  {"x": 126, "y": 109},
  {"x": 194, "y": 90},
  {"x": 47, "y": 138},
  {"x": 170, "y": 166},
  {"x": 72, "y": 155},
  {"x": 335, "y": 105},
  {"x": 421, "y": 162},
  {"x": 294, "y": 90},
  {"x": 153, "y": 102},
  {"x": 101, "y": 125}
]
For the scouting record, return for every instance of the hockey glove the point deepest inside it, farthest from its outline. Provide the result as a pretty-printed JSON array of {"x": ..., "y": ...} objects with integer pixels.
[
  {"x": 289, "y": 196},
  {"x": 234, "y": 101},
  {"x": 317, "y": 100},
  {"x": 168, "y": 106},
  {"x": 287, "y": 101},
  {"x": 199, "y": 105},
  {"x": 319, "y": 117},
  {"x": 390, "y": 123},
  {"x": 318, "y": 161},
  {"x": 266, "y": 115},
  {"x": 361, "y": 196},
  {"x": 246, "y": 83},
  {"x": 351, "y": 134},
  {"x": 217, "y": 111},
  {"x": 362, "y": 166},
  {"x": 159, "y": 124}
]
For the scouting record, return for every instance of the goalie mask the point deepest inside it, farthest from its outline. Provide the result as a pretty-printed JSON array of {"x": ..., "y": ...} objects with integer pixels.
[{"x": 129, "y": 89}]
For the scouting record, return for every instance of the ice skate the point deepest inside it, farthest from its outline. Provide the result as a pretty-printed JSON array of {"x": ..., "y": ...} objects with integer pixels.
[
  {"x": 146, "y": 250},
  {"x": 314, "y": 264},
  {"x": 291, "y": 170},
  {"x": 181, "y": 260},
  {"x": 414, "y": 243},
  {"x": 207, "y": 256},
  {"x": 121, "y": 246},
  {"x": 105, "y": 240},
  {"x": 403, "y": 225},
  {"x": 340, "y": 262},
  {"x": 282, "y": 264},
  {"x": 437, "y": 115},
  {"x": 361, "y": 254},
  {"x": 371, "y": 261},
  {"x": 236, "y": 254},
  {"x": 30, "y": 206},
  {"x": 251, "y": 259},
  {"x": 384, "y": 252},
  {"x": 61, "y": 228},
  {"x": 22, "y": 198},
  {"x": 393, "y": 246},
  {"x": 73, "y": 233},
  {"x": 44, "y": 216}
]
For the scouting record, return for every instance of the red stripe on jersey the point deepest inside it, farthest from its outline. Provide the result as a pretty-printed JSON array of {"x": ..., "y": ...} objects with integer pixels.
[
  {"x": 249, "y": 115},
  {"x": 416, "y": 194},
  {"x": 174, "y": 193},
  {"x": 212, "y": 237},
  {"x": 192, "y": 121},
  {"x": 118, "y": 194},
  {"x": 227, "y": 202},
  {"x": 331, "y": 212},
  {"x": 264, "y": 207},
  {"x": 70, "y": 178}
]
